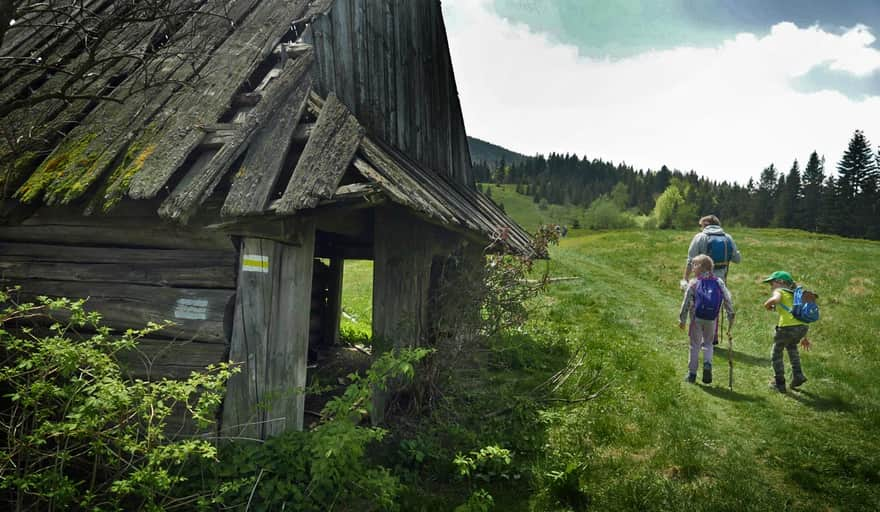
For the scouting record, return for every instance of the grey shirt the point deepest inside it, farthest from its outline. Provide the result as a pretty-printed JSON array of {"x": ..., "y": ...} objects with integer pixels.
[{"x": 700, "y": 244}]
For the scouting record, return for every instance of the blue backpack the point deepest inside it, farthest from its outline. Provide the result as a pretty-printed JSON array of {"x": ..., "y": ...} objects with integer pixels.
[
  {"x": 804, "y": 306},
  {"x": 720, "y": 249},
  {"x": 707, "y": 298}
]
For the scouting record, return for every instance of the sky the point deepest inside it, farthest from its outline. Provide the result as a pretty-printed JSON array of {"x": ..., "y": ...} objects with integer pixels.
[{"x": 721, "y": 87}]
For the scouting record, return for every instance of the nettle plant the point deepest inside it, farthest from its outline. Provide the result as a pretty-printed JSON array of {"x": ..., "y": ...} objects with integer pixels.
[
  {"x": 77, "y": 433},
  {"x": 325, "y": 468}
]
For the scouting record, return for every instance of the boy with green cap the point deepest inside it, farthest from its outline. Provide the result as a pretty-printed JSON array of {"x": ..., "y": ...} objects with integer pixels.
[{"x": 789, "y": 331}]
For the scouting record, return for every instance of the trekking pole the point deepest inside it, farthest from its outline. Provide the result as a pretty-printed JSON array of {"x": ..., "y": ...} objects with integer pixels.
[{"x": 730, "y": 360}]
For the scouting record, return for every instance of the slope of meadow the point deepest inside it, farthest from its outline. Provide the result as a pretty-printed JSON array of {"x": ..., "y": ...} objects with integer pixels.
[
  {"x": 653, "y": 442},
  {"x": 650, "y": 441}
]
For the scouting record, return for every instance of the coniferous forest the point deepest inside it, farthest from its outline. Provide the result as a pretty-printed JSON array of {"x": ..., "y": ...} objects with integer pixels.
[{"x": 842, "y": 199}]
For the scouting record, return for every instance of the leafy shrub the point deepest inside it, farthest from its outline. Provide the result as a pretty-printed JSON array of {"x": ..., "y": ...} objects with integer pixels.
[
  {"x": 78, "y": 435},
  {"x": 487, "y": 464},
  {"x": 673, "y": 208},
  {"x": 322, "y": 468},
  {"x": 604, "y": 213},
  {"x": 479, "y": 501}
]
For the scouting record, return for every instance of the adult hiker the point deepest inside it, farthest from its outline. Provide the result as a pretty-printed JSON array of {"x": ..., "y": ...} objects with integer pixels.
[{"x": 715, "y": 243}]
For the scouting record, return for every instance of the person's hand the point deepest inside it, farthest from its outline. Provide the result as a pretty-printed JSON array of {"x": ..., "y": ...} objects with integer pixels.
[
  {"x": 770, "y": 307},
  {"x": 681, "y": 325},
  {"x": 806, "y": 344}
]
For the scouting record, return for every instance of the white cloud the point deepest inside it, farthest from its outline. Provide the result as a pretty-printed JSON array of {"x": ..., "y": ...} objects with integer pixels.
[{"x": 726, "y": 112}]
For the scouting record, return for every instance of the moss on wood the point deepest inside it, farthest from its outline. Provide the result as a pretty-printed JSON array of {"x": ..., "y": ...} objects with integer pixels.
[
  {"x": 52, "y": 177},
  {"x": 117, "y": 183},
  {"x": 14, "y": 168}
]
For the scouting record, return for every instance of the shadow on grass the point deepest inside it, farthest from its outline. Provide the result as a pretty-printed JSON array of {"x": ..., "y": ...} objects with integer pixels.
[
  {"x": 732, "y": 395},
  {"x": 742, "y": 357},
  {"x": 821, "y": 403}
]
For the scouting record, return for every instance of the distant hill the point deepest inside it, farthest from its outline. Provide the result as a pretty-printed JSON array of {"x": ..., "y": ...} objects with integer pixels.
[{"x": 483, "y": 152}]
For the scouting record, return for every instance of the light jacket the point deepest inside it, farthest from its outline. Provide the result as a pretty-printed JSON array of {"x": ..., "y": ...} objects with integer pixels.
[{"x": 700, "y": 243}]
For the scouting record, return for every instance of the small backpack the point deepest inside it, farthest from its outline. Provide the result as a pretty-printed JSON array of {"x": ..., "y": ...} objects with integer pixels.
[
  {"x": 707, "y": 298},
  {"x": 804, "y": 306},
  {"x": 719, "y": 248}
]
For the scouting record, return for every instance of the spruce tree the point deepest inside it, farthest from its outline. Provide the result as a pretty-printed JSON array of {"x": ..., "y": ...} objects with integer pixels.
[
  {"x": 763, "y": 201},
  {"x": 788, "y": 205},
  {"x": 830, "y": 219},
  {"x": 814, "y": 176},
  {"x": 856, "y": 182}
]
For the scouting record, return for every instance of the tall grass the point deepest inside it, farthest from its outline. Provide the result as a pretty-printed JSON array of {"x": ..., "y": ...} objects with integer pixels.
[
  {"x": 651, "y": 441},
  {"x": 654, "y": 442}
]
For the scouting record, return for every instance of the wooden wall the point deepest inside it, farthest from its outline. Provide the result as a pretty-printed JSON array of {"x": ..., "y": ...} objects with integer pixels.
[
  {"x": 134, "y": 269},
  {"x": 388, "y": 61}
]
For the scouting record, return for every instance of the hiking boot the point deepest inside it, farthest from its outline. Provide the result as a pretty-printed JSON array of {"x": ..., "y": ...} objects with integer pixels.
[
  {"x": 707, "y": 374},
  {"x": 778, "y": 385},
  {"x": 690, "y": 378},
  {"x": 797, "y": 380}
]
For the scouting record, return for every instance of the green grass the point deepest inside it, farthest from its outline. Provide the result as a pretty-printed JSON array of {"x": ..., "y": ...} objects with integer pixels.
[
  {"x": 653, "y": 442},
  {"x": 526, "y": 211},
  {"x": 650, "y": 441},
  {"x": 357, "y": 299}
]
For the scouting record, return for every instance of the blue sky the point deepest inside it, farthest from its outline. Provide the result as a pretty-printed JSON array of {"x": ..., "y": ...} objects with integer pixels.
[{"x": 722, "y": 87}]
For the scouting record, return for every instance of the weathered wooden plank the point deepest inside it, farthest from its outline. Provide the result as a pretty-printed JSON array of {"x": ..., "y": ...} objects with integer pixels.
[
  {"x": 230, "y": 66},
  {"x": 414, "y": 193},
  {"x": 104, "y": 134},
  {"x": 359, "y": 65},
  {"x": 334, "y": 301},
  {"x": 341, "y": 18},
  {"x": 324, "y": 160},
  {"x": 438, "y": 188},
  {"x": 255, "y": 181},
  {"x": 403, "y": 252},
  {"x": 155, "y": 359},
  {"x": 270, "y": 338},
  {"x": 35, "y": 37},
  {"x": 197, "y": 313},
  {"x": 133, "y": 225},
  {"x": 289, "y": 338},
  {"x": 287, "y": 230},
  {"x": 218, "y": 135},
  {"x": 199, "y": 183},
  {"x": 120, "y": 235},
  {"x": 80, "y": 67},
  {"x": 177, "y": 268},
  {"x": 170, "y": 258},
  {"x": 322, "y": 34},
  {"x": 248, "y": 348}
]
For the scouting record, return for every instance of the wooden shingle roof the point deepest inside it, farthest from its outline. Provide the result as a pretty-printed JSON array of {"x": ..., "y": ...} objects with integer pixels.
[{"x": 240, "y": 111}]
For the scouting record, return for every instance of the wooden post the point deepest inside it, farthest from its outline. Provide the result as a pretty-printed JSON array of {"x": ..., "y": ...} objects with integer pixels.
[
  {"x": 330, "y": 329},
  {"x": 403, "y": 251},
  {"x": 270, "y": 337}
]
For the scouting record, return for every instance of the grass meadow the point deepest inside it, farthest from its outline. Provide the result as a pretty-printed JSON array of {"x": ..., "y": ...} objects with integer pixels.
[{"x": 650, "y": 441}]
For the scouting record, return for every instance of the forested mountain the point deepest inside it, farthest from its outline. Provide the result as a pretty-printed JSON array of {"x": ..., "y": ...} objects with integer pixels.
[
  {"x": 844, "y": 200},
  {"x": 486, "y": 156}
]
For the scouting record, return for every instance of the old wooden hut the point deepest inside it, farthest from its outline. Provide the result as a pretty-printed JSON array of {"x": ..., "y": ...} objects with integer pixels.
[{"x": 299, "y": 129}]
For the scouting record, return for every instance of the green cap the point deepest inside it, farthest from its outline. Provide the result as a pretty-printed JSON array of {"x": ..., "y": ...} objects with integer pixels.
[{"x": 780, "y": 275}]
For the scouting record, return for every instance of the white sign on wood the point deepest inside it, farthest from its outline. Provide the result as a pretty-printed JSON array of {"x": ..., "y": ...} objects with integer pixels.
[{"x": 191, "y": 309}]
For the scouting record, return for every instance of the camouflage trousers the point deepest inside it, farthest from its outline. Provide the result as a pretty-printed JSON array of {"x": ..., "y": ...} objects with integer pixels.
[{"x": 787, "y": 339}]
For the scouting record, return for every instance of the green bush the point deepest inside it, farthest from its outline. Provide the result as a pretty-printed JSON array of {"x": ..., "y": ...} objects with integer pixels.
[
  {"x": 604, "y": 213},
  {"x": 78, "y": 435},
  {"x": 320, "y": 469}
]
